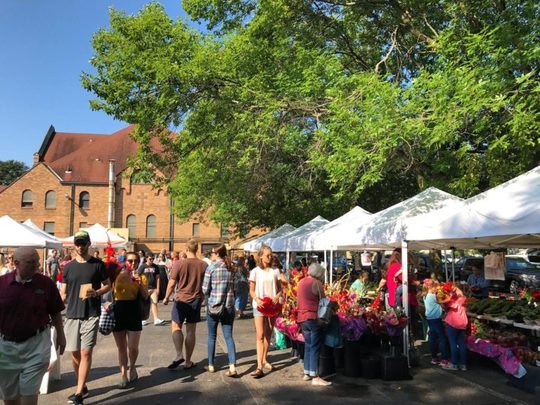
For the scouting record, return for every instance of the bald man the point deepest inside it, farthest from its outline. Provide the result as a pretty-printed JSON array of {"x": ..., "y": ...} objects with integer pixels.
[{"x": 30, "y": 304}]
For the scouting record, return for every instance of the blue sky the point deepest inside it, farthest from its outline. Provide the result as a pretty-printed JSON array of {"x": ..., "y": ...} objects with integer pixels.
[{"x": 44, "y": 48}]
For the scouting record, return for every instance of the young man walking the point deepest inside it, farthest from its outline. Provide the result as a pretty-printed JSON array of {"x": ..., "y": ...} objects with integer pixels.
[
  {"x": 187, "y": 275},
  {"x": 85, "y": 280}
]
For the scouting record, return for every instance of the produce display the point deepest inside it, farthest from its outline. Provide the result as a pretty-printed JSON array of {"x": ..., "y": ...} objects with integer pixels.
[{"x": 516, "y": 310}]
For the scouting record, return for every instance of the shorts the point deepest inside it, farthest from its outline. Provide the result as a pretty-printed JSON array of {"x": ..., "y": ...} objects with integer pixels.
[
  {"x": 154, "y": 296},
  {"x": 23, "y": 365},
  {"x": 190, "y": 312},
  {"x": 256, "y": 312},
  {"x": 127, "y": 316},
  {"x": 81, "y": 333}
]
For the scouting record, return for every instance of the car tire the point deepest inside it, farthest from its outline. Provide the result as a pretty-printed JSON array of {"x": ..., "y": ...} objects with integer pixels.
[{"x": 514, "y": 287}]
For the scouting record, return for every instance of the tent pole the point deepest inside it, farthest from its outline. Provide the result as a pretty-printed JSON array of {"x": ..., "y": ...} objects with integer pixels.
[
  {"x": 287, "y": 261},
  {"x": 325, "y": 268},
  {"x": 405, "y": 295},
  {"x": 453, "y": 266},
  {"x": 331, "y": 266},
  {"x": 445, "y": 265}
]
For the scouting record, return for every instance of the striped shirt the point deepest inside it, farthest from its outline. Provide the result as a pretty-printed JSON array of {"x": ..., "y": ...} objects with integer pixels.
[{"x": 218, "y": 284}]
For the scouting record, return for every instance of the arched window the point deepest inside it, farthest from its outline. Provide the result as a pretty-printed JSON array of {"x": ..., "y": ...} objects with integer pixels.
[
  {"x": 50, "y": 199},
  {"x": 131, "y": 225},
  {"x": 84, "y": 200},
  {"x": 151, "y": 226},
  {"x": 26, "y": 201}
]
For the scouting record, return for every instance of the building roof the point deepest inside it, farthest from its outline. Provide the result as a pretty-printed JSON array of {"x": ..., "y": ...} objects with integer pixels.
[
  {"x": 2, "y": 187},
  {"x": 84, "y": 158}
]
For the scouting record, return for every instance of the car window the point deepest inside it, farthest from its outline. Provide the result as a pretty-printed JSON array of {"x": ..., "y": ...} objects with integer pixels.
[{"x": 519, "y": 264}]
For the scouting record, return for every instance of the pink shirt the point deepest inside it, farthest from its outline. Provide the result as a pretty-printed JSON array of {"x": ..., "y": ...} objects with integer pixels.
[
  {"x": 308, "y": 302},
  {"x": 391, "y": 283}
]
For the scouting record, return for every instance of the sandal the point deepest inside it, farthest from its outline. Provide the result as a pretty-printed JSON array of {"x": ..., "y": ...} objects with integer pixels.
[
  {"x": 257, "y": 373},
  {"x": 123, "y": 384},
  {"x": 232, "y": 374},
  {"x": 210, "y": 369}
]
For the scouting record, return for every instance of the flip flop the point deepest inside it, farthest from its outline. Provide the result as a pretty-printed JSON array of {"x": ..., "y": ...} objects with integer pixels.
[
  {"x": 257, "y": 373},
  {"x": 232, "y": 374},
  {"x": 175, "y": 364},
  {"x": 192, "y": 365}
]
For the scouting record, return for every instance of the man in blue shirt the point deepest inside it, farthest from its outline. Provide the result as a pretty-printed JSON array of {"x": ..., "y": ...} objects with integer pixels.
[{"x": 478, "y": 284}]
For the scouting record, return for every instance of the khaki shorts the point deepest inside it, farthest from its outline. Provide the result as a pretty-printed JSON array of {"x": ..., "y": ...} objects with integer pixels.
[
  {"x": 154, "y": 294},
  {"x": 81, "y": 333},
  {"x": 23, "y": 365}
]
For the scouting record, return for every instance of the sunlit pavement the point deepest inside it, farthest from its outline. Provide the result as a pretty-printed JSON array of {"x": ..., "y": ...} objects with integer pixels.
[{"x": 484, "y": 383}]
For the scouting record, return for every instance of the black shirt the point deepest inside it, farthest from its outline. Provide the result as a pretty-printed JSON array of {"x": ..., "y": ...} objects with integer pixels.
[
  {"x": 151, "y": 271},
  {"x": 75, "y": 274}
]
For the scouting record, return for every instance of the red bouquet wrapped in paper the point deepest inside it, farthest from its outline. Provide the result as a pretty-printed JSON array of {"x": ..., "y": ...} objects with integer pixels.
[{"x": 269, "y": 308}]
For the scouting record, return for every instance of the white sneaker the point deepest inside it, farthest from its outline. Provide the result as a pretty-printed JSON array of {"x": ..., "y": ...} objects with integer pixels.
[
  {"x": 144, "y": 323},
  {"x": 158, "y": 322},
  {"x": 306, "y": 377},
  {"x": 320, "y": 382}
]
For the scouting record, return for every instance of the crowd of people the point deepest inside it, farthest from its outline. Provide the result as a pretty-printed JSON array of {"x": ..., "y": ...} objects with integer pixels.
[{"x": 85, "y": 285}]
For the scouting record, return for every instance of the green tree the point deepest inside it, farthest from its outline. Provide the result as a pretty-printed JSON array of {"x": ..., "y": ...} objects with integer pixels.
[
  {"x": 11, "y": 170},
  {"x": 286, "y": 109}
]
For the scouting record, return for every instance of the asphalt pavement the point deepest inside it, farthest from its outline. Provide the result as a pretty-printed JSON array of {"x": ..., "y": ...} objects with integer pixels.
[{"x": 484, "y": 382}]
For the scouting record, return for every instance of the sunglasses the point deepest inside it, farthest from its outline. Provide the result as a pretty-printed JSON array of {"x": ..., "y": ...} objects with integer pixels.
[{"x": 132, "y": 260}]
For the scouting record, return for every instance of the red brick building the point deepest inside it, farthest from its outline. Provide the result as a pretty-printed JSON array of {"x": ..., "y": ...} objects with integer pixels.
[{"x": 68, "y": 188}]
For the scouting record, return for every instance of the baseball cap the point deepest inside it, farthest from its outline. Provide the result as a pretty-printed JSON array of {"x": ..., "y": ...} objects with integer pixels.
[{"x": 82, "y": 236}]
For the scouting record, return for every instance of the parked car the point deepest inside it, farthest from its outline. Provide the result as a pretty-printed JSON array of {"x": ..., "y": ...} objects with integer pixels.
[
  {"x": 463, "y": 266},
  {"x": 519, "y": 273}
]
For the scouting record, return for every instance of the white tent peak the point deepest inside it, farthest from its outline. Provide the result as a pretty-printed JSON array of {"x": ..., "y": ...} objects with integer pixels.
[
  {"x": 280, "y": 244},
  {"x": 99, "y": 237},
  {"x": 255, "y": 244},
  {"x": 15, "y": 234}
]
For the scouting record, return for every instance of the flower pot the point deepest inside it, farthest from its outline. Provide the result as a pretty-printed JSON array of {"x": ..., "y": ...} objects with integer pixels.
[
  {"x": 326, "y": 362},
  {"x": 352, "y": 364}
]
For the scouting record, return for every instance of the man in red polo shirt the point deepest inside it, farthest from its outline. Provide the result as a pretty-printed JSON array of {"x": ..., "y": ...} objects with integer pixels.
[{"x": 29, "y": 304}]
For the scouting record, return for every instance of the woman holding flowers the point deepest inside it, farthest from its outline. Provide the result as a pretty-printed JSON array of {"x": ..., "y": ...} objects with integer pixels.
[
  {"x": 433, "y": 316},
  {"x": 456, "y": 321},
  {"x": 310, "y": 292},
  {"x": 219, "y": 291},
  {"x": 127, "y": 287},
  {"x": 266, "y": 289}
]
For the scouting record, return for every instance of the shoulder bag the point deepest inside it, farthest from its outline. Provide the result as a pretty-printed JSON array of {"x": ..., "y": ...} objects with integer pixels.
[{"x": 106, "y": 320}]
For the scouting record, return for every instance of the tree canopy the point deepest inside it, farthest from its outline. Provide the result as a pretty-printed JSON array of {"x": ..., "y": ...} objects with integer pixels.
[
  {"x": 11, "y": 170},
  {"x": 284, "y": 110}
]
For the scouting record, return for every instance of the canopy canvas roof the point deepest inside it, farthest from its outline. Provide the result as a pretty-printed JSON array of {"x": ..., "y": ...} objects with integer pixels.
[
  {"x": 255, "y": 244},
  {"x": 99, "y": 236},
  {"x": 15, "y": 234},
  {"x": 507, "y": 215},
  {"x": 281, "y": 244},
  {"x": 29, "y": 223},
  {"x": 385, "y": 229},
  {"x": 323, "y": 238}
]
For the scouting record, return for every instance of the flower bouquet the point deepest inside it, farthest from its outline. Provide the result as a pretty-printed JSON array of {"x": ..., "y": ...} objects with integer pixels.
[
  {"x": 352, "y": 328},
  {"x": 269, "y": 307},
  {"x": 395, "y": 321}
]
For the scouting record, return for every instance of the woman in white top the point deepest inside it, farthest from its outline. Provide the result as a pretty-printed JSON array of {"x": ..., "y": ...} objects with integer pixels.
[{"x": 264, "y": 281}]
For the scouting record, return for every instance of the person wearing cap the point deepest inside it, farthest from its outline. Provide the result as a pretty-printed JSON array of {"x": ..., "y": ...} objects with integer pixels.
[
  {"x": 151, "y": 272},
  {"x": 30, "y": 304},
  {"x": 310, "y": 292},
  {"x": 85, "y": 280}
]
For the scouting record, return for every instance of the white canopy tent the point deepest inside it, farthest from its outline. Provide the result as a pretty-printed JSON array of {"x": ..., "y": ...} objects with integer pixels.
[
  {"x": 99, "y": 237},
  {"x": 255, "y": 244},
  {"x": 282, "y": 243},
  {"x": 15, "y": 234},
  {"x": 324, "y": 238},
  {"x": 505, "y": 216},
  {"x": 29, "y": 223},
  {"x": 386, "y": 229}
]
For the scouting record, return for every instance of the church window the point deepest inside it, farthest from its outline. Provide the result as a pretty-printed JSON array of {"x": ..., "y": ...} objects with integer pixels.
[
  {"x": 26, "y": 201},
  {"x": 50, "y": 199},
  {"x": 84, "y": 200},
  {"x": 151, "y": 226},
  {"x": 131, "y": 225},
  {"x": 195, "y": 229},
  {"x": 48, "y": 227}
]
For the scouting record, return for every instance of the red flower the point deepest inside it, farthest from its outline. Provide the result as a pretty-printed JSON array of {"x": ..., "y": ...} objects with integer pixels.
[
  {"x": 269, "y": 308},
  {"x": 447, "y": 287}
]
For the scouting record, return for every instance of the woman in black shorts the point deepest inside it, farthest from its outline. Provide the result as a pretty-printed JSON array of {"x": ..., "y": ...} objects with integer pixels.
[{"x": 127, "y": 314}]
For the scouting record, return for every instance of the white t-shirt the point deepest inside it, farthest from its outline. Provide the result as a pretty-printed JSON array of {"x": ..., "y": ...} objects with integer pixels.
[{"x": 266, "y": 282}]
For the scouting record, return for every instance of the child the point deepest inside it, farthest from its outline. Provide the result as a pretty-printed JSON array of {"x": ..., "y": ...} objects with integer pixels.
[
  {"x": 359, "y": 286},
  {"x": 433, "y": 313}
]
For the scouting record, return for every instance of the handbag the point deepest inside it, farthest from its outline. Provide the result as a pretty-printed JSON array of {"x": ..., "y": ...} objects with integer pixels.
[
  {"x": 327, "y": 309},
  {"x": 218, "y": 309},
  {"x": 106, "y": 320},
  {"x": 144, "y": 305}
]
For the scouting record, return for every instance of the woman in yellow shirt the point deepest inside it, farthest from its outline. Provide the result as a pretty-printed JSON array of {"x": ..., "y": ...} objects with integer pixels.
[{"x": 127, "y": 314}]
